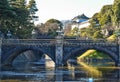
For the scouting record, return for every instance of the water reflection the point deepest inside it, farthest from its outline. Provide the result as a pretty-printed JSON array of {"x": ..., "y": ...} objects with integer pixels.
[
  {"x": 92, "y": 71},
  {"x": 81, "y": 72}
]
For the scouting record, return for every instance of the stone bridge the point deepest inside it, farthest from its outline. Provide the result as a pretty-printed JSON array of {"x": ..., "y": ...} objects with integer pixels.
[{"x": 58, "y": 50}]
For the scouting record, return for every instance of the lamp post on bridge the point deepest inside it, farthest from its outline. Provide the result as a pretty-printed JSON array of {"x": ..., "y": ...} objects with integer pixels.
[
  {"x": 59, "y": 48},
  {"x": 34, "y": 34},
  {"x": 9, "y": 35}
]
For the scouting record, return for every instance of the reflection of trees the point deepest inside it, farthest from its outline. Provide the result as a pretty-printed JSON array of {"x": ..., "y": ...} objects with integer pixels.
[{"x": 92, "y": 71}]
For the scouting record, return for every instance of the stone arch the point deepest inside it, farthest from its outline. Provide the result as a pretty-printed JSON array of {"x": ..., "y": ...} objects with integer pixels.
[
  {"x": 82, "y": 49},
  {"x": 11, "y": 55}
]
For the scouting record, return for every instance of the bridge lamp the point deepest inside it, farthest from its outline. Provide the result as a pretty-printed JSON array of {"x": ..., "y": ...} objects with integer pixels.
[
  {"x": 9, "y": 34},
  {"x": 34, "y": 34}
]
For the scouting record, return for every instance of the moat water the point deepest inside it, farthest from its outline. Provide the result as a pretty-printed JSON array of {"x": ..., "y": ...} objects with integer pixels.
[{"x": 77, "y": 72}]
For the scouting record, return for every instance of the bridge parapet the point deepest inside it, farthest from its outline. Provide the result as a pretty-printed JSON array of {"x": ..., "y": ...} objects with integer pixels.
[
  {"x": 47, "y": 42},
  {"x": 89, "y": 42},
  {"x": 28, "y": 42}
]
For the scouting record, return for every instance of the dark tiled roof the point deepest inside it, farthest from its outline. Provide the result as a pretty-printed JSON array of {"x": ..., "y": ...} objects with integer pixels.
[{"x": 80, "y": 18}]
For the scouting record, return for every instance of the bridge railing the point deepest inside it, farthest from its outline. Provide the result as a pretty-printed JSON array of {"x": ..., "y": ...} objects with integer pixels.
[
  {"x": 89, "y": 42},
  {"x": 28, "y": 41},
  {"x": 54, "y": 41}
]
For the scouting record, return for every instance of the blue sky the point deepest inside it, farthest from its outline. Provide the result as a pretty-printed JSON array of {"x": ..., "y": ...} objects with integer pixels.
[{"x": 67, "y": 9}]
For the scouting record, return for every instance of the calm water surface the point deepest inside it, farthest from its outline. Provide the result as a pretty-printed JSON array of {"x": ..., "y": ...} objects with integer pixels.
[{"x": 80, "y": 72}]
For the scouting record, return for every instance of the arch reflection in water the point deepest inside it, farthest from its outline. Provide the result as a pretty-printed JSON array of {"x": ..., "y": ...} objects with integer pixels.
[{"x": 75, "y": 73}]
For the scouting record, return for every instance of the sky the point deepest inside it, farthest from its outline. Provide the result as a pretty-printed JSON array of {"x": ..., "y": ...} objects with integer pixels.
[{"x": 67, "y": 9}]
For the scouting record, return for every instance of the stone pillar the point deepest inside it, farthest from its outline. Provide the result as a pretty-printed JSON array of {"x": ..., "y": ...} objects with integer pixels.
[
  {"x": 59, "y": 49},
  {"x": 59, "y": 54}
]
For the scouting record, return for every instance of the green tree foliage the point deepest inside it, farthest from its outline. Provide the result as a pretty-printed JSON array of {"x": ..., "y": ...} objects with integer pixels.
[
  {"x": 105, "y": 15},
  {"x": 17, "y": 3},
  {"x": 52, "y": 26},
  {"x": 97, "y": 35},
  {"x": 75, "y": 31},
  {"x": 55, "y": 21},
  {"x": 16, "y": 18},
  {"x": 116, "y": 12},
  {"x": 108, "y": 14},
  {"x": 93, "y": 33},
  {"x": 21, "y": 24},
  {"x": 5, "y": 9},
  {"x": 94, "y": 20},
  {"x": 6, "y": 14},
  {"x": 108, "y": 17},
  {"x": 32, "y": 10},
  {"x": 98, "y": 55}
]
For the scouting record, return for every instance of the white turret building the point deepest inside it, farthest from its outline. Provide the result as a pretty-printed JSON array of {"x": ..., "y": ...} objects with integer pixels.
[{"x": 81, "y": 21}]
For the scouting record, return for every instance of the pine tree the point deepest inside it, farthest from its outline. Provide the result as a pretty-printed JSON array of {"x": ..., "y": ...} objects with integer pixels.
[
  {"x": 32, "y": 10},
  {"x": 15, "y": 17},
  {"x": 6, "y": 14},
  {"x": 5, "y": 9}
]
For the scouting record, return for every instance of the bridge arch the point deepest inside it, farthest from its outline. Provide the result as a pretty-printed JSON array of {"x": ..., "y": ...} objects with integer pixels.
[
  {"x": 80, "y": 50},
  {"x": 11, "y": 55}
]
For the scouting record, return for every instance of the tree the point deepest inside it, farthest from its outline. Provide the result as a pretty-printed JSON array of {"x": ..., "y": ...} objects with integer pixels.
[
  {"x": 20, "y": 24},
  {"x": 75, "y": 31},
  {"x": 97, "y": 35},
  {"x": 49, "y": 28},
  {"x": 105, "y": 15},
  {"x": 83, "y": 32},
  {"x": 6, "y": 14},
  {"x": 52, "y": 26},
  {"x": 16, "y": 16},
  {"x": 54, "y": 21},
  {"x": 17, "y": 3},
  {"x": 5, "y": 9},
  {"x": 67, "y": 30},
  {"x": 94, "y": 20},
  {"x": 32, "y": 10},
  {"x": 116, "y": 12},
  {"x": 90, "y": 32}
]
